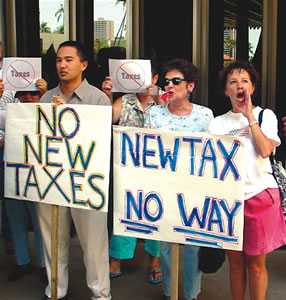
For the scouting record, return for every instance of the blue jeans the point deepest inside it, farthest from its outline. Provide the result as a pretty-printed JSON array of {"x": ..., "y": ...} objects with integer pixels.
[
  {"x": 18, "y": 213},
  {"x": 192, "y": 274},
  {"x": 123, "y": 247}
]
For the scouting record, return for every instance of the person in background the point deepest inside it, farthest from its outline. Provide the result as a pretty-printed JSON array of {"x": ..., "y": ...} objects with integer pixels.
[
  {"x": 264, "y": 227},
  {"x": 7, "y": 96},
  {"x": 19, "y": 214},
  {"x": 131, "y": 110},
  {"x": 4, "y": 96},
  {"x": 180, "y": 78},
  {"x": 91, "y": 226}
]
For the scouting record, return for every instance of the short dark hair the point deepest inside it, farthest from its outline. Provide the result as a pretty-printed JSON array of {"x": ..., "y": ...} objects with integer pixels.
[
  {"x": 187, "y": 68},
  {"x": 239, "y": 65},
  {"x": 78, "y": 46},
  {"x": 155, "y": 67},
  {"x": 23, "y": 93}
]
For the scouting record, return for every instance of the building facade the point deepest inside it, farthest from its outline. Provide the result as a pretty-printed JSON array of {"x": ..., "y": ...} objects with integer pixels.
[{"x": 103, "y": 29}]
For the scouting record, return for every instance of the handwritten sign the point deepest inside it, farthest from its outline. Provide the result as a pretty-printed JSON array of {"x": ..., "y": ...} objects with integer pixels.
[
  {"x": 58, "y": 154},
  {"x": 130, "y": 75},
  {"x": 179, "y": 187},
  {"x": 21, "y": 73}
]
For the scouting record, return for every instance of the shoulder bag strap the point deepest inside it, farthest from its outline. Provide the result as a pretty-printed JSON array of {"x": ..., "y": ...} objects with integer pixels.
[{"x": 260, "y": 116}]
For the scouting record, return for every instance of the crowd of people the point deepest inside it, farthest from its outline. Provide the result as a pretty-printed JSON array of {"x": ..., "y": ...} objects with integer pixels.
[{"x": 264, "y": 227}]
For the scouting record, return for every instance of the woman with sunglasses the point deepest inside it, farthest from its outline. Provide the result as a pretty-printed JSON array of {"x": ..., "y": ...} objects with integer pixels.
[{"x": 180, "y": 78}]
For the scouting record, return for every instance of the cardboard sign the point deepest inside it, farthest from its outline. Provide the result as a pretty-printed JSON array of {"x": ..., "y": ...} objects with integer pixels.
[
  {"x": 21, "y": 73},
  {"x": 58, "y": 154},
  {"x": 130, "y": 75},
  {"x": 179, "y": 187}
]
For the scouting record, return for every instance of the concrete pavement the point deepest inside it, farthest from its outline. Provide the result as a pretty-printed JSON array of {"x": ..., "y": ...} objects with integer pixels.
[{"x": 132, "y": 285}]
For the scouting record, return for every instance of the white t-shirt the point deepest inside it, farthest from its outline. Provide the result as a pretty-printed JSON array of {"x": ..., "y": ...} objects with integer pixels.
[
  {"x": 7, "y": 97},
  {"x": 258, "y": 170}
]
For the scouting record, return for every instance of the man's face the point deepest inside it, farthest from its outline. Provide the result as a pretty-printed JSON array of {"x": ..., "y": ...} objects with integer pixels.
[{"x": 69, "y": 66}]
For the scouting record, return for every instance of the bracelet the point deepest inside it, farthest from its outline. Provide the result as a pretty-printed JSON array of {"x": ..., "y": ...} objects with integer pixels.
[{"x": 252, "y": 123}]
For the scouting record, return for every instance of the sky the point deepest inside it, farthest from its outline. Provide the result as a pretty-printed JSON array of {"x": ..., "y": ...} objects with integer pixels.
[{"x": 254, "y": 37}]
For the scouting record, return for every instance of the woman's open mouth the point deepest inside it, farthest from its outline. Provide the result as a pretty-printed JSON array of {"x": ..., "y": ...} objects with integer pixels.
[{"x": 241, "y": 96}]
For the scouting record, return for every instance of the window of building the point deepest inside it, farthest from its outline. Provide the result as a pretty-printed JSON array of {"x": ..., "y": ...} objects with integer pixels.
[
  {"x": 238, "y": 16},
  {"x": 109, "y": 24},
  {"x": 53, "y": 23}
]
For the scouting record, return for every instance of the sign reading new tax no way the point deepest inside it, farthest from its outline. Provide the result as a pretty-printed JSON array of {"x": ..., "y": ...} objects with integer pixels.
[
  {"x": 130, "y": 75},
  {"x": 21, "y": 73}
]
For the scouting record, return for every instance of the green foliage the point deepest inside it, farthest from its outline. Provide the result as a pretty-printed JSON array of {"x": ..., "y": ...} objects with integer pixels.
[
  {"x": 60, "y": 29},
  {"x": 229, "y": 43},
  {"x": 44, "y": 28},
  {"x": 250, "y": 50},
  {"x": 98, "y": 44}
]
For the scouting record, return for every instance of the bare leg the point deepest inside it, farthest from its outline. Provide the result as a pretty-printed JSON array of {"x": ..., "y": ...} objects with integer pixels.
[
  {"x": 114, "y": 265},
  {"x": 237, "y": 267},
  {"x": 258, "y": 277},
  {"x": 154, "y": 264}
]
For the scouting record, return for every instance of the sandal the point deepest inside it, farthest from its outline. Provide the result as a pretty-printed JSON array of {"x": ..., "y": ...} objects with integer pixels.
[
  {"x": 115, "y": 275},
  {"x": 153, "y": 274}
]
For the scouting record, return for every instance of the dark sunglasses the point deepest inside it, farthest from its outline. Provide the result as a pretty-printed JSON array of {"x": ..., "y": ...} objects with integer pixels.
[
  {"x": 175, "y": 81},
  {"x": 23, "y": 93}
]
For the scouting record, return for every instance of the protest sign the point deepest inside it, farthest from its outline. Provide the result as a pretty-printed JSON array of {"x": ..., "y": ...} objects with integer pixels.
[
  {"x": 130, "y": 75},
  {"x": 179, "y": 187},
  {"x": 58, "y": 154},
  {"x": 21, "y": 73}
]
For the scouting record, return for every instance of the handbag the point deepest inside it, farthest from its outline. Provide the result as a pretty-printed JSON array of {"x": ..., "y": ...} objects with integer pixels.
[
  {"x": 211, "y": 259},
  {"x": 279, "y": 174}
]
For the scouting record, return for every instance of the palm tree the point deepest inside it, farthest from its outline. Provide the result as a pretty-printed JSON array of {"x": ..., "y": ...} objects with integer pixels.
[
  {"x": 59, "y": 29},
  {"x": 60, "y": 12},
  {"x": 118, "y": 36},
  {"x": 229, "y": 43},
  {"x": 44, "y": 27},
  {"x": 250, "y": 49},
  {"x": 118, "y": 1}
]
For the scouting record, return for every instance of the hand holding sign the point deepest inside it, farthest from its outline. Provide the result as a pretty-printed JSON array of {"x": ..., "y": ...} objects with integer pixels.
[
  {"x": 130, "y": 75},
  {"x": 21, "y": 74},
  {"x": 1, "y": 87}
]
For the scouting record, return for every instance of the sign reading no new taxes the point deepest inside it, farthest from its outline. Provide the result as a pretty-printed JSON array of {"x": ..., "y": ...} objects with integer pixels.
[{"x": 130, "y": 75}]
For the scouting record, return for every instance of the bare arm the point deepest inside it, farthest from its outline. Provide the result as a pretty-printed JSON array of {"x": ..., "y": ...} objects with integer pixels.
[
  {"x": 1, "y": 87},
  {"x": 263, "y": 145},
  {"x": 116, "y": 110},
  {"x": 2, "y": 141},
  {"x": 107, "y": 87}
]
